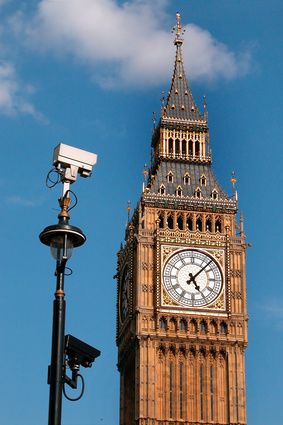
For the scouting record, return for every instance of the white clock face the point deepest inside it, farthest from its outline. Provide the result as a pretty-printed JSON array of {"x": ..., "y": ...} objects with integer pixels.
[{"x": 192, "y": 278}]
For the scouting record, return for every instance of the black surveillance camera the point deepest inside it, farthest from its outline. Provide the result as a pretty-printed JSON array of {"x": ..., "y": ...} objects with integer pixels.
[{"x": 79, "y": 353}]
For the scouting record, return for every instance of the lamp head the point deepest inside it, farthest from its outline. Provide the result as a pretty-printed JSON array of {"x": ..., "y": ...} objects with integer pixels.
[{"x": 62, "y": 238}]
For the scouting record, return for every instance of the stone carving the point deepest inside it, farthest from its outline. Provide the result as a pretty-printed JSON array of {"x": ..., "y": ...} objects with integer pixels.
[
  {"x": 236, "y": 294},
  {"x": 146, "y": 287},
  {"x": 218, "y": 255},
  {"x": 167, "y": 251},
  {"x": 236, "y": 273},
  {"x": 167, "y": 300},
  {"x": 219, "y": 304},
  {"x": 147, "y": 266}
]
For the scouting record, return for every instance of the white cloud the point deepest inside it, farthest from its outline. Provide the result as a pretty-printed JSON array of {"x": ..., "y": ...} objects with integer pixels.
[
  {"x": 273, "y": 311},
  {"x": 22, "y": 202},
  {"x": 126, "y": 43},
  {"x": 14, "y": 95}
]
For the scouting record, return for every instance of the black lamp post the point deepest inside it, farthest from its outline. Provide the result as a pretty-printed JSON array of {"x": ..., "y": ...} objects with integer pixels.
[{"x": 61, "y": 238}]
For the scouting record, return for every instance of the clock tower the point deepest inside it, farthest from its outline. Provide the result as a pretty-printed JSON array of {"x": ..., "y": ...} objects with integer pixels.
[{"x": 181, "y": 293}]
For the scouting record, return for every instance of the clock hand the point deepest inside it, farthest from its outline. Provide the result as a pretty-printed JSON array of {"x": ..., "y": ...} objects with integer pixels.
[
  {"x": 200, "y": 270},
  {"x": 192, "y": 279},
  {"x": 196, "y": 286}
]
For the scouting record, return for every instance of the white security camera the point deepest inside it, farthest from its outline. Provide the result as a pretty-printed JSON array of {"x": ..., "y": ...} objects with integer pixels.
[{"x": 70, "y": 162}]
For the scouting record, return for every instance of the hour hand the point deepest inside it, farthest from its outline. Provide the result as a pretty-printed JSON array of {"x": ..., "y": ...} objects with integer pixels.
[{"x": 192, "y": 280}]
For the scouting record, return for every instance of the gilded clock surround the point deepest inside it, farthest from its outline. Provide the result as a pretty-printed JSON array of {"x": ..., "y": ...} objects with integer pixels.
[
  {"x": 219, "y": 257},
  {"x": 182, "y": 365}
]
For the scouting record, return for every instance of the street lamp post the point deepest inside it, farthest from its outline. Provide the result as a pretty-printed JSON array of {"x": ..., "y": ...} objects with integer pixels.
[
  {"x": 66, "y": 351},
  {"x": 61, "y": 238}
]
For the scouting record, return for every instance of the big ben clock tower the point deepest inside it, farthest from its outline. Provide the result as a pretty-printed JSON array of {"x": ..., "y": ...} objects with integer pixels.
[{"x": 181, "y": 310}]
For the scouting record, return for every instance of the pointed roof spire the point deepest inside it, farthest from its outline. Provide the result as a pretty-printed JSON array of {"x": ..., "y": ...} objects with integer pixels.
[{"x": 180, "y": 102}]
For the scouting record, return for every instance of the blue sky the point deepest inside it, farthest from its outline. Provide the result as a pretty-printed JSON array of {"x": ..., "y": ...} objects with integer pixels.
[{"x": 90, "y": 73}]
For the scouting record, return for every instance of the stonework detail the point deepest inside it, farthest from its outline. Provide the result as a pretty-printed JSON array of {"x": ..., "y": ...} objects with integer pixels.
[
  {"x": 181, "y": 281},
  {"x": 147, "y": 266},
  {"x": 236, "y": 273}
]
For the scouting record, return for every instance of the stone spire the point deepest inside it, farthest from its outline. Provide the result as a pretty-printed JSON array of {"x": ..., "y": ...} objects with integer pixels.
[{"x": 180, "y": 102}]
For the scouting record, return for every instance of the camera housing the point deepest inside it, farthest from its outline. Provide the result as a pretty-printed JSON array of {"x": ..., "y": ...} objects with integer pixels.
[
  {"x": 79, "y": 353},
  {"x": 70, "y": 162}
]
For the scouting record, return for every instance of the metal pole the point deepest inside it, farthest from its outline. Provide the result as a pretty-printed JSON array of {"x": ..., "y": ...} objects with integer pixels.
[{"x": 56, "y": 369}]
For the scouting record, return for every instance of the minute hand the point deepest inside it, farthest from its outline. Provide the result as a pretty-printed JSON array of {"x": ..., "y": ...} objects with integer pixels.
[{"x": 199, "y": 272}]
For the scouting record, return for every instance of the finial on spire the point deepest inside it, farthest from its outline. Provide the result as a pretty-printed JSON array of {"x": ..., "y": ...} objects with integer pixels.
[
  {"x": 145, "y": 175},
  {"x": 154, "y": 119},
  {"x": 163, "y": 109},
  {"x": 129, "y": 210},
  {"x": 205, "y": 114},
  {"x": 233, "y": 180},
  {"x": 163, "y": 99},
  {"x": 178, "y": 30}
]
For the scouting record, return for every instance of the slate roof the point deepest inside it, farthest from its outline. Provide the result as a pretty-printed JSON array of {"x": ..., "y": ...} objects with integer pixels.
[
  {"x": 179, "y": 169},
  {"x": 180, "y": 102}
]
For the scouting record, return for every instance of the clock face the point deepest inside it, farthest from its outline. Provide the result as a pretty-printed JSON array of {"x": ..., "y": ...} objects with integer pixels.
[
  {"x": 124, "y": 294},
  {"x": 192, "y": 278}
]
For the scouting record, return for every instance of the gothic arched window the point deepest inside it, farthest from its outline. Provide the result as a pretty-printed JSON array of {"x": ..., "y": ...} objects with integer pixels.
[
  {"x": 223, "y": 328},
  {"x": 197, "y": 148},
  {"x": 191, "y": 148},
  {"x": 179, "y": 191},
  {"x": 170, "y": 222},
  {"x": 186, "y": 178},
  {"x": 208, "y": 224},
  {"x": 202, "y": 180},
  {"x": 190, "y": 222},
  {"x": 199, "y": 224},
  {"x": 184, "y": 147},
  {"x": 177, "y": 146},
  {"x": 162, "y": 323},
  {"x": 182, "y": 325},
  {"x": 203, "y": 327},
  {"x": 161, "y": 221},
  {"x": 218, "y": 225},
  {"x": 162, "y": 190},
  {"x": 180, "y": 223},
  {"x": 170, "y": 177},
  {"x": 214, "y": 194},
  {"x": 198, "y": 193}
]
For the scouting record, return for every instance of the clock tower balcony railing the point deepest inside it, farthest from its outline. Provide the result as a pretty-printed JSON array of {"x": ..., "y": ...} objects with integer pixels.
[
  {"x": 188, "y": 202},
  {"x": 185, "y": 157}
]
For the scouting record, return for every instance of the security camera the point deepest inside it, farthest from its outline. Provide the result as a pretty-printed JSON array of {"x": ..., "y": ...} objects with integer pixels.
[
  {"x": 79, "y": 353},
  {"x": 70, "y": 162}
]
